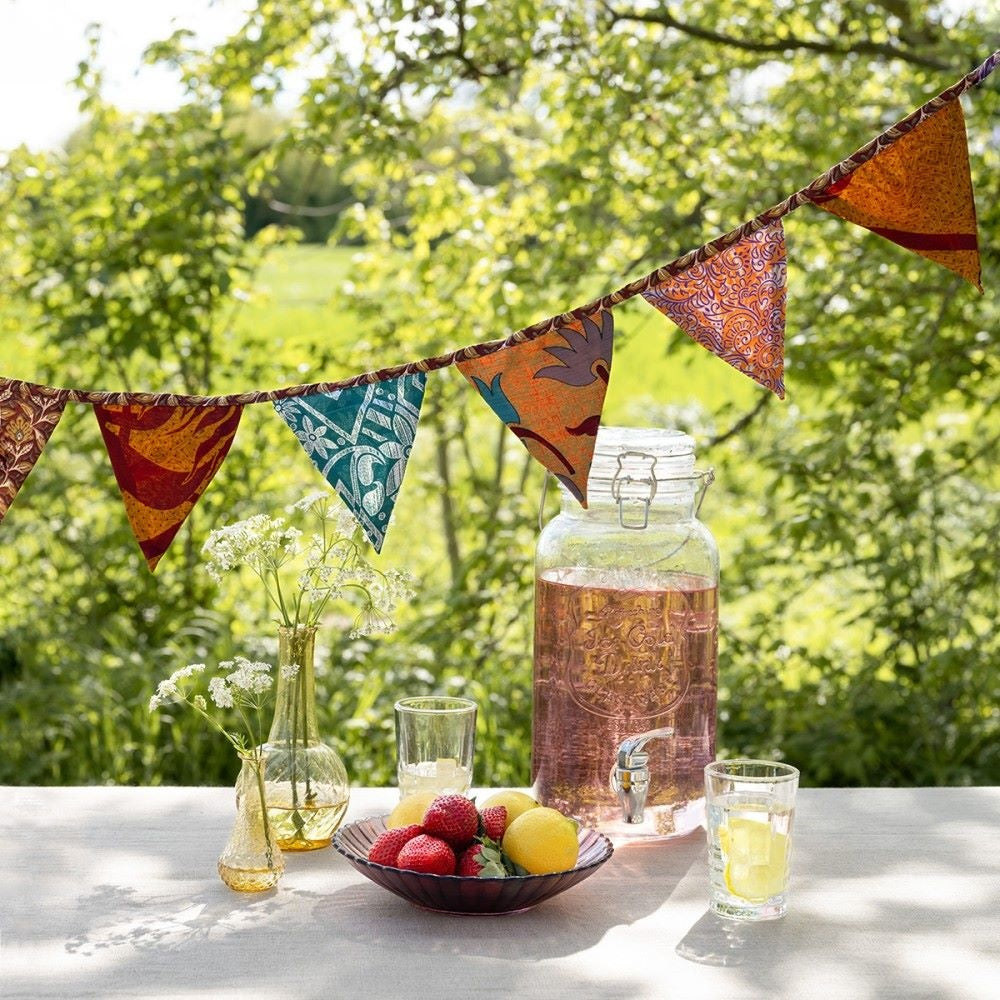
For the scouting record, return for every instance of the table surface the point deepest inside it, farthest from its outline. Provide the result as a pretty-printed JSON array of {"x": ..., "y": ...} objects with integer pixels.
[{"x": 113, "y": 892}]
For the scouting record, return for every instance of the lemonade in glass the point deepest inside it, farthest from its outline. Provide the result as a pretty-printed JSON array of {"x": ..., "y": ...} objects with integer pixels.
[{"x": 751, "y": 804}]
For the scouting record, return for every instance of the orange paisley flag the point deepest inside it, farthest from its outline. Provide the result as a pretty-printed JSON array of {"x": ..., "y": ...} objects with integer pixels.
[
  {"x": 733, "y": 304},
  {"x": 164, "y": 457},
  {"x": 918, "y": 193}
]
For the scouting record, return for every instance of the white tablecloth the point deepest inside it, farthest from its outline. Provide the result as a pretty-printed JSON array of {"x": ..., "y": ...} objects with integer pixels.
[{"x": 113, "y": 892}]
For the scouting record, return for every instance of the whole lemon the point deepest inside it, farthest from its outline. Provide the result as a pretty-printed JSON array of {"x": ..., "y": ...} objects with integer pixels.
[
  {"x": 542, "y": 840},
  {"x": 514, "y": 802},
  {"x": 410, "y": 810}
]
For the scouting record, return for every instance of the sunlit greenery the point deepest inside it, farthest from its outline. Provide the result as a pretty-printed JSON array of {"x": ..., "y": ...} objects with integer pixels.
[{"x": 490, "y": 165}]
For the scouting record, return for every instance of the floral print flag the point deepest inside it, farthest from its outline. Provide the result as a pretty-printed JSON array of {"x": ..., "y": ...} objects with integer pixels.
[
  {"x": 733, "y": 304},
  {"x": 164, "y": 457},
  {"x": 28, "y": 416},
  {"x": 918, "y": 193},
  {"x": 360, "y": 438},
  {"x": 550, "y": 392}
]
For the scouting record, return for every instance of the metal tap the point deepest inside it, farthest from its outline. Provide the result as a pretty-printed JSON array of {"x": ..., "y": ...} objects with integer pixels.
[{"x": 630, "y": 775}]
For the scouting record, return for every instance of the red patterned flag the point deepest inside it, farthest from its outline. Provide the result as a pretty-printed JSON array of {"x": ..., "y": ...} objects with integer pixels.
[
  {"x": 733, "y": 304},
  {"x": 550, "y": 393},
  {"x": 28, "y": 416},
  {"x": 918, "y": 193},
  {"x": 164, "y": 457}
]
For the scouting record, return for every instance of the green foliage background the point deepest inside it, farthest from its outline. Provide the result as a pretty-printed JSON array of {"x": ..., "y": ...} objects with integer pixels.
[{"x": 490, "y": 165}]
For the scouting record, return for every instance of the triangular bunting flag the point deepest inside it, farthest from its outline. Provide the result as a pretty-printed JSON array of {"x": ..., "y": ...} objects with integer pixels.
[
  {"x": 733, "y": 304},
  {"x": 550, "y": 392},
  {"x": 360, "y": 439},
  {"x": 918, "y": 193},
  {"x": 28, "y": 416},
  {"x": 164, "y": 457}
]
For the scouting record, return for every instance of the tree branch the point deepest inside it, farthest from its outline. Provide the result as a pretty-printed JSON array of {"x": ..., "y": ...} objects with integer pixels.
[
  {"x": 743, "y": 422},
  {"x": 664, "y": 18}
]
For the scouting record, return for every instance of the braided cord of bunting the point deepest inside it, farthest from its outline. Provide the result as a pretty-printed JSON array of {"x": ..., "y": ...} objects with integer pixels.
[{"x": 813, "y": 192}]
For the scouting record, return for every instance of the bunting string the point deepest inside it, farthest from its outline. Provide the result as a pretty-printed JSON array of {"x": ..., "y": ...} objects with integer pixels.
[
  {"x": 811, "y": 193},
  {"x": 547, "y": 382}
]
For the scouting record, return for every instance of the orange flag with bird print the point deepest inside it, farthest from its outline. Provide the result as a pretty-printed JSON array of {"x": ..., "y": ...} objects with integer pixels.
[{"x": 550, "y": 392}]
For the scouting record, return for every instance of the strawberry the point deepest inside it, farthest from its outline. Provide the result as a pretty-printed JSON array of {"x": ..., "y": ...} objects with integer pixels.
[
  {"x": 452, "y": 818},
  {"x": 494, "y": 821},
  {"x": 483, "y": 860},
  {"x": 469, "y": 863},
  {"x": 386, "y": 846},
  {"x": 427, "y": 854}
]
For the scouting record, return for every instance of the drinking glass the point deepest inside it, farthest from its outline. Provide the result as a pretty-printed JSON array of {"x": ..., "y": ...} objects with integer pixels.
[
  {"x": 435, "y": 742},
  {"x": 750, "y": 808}
]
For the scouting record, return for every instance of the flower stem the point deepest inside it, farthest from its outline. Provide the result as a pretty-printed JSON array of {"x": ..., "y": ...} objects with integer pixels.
[{"x": 258, "y": 766}]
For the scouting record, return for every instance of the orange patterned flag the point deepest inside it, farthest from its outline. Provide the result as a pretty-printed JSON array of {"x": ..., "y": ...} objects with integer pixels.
[
  {"x": 550, "y": 393},
  {"x": 918, "y": 193},
  {"x": 733, "y": 304},
  {"x": 28, "y": 415},
  {"x": 164, "y": 457}
]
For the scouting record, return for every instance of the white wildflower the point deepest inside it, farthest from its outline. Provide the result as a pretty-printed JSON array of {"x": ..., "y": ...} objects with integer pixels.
[
  {"x": 290, "y": 671},
  {"x": 166, "y": 691},
  {"x": 290, "y": 541},
  {"x": 220, "y": 692},
  {"x": 252, "y": 678},
  {"x": 199, "y": 702},
  {"x": 371, "y": 621},
  {"x": 307, "y": 501},
  {"x": 189, "y": 671}
]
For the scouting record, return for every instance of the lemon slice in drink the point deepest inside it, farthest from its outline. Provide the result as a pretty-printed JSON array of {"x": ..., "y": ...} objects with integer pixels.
[{"x": 756, "y": 859}]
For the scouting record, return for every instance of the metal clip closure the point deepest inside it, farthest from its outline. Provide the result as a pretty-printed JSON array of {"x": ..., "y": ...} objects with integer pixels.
[{"x": 644, "y": 495}]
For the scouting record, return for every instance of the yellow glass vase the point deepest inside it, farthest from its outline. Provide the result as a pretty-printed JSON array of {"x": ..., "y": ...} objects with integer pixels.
[{"x": 251, "y": 860}]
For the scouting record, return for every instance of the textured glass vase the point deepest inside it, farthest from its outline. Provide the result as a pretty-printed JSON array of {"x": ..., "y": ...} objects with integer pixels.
[
  {"x": 251, "y": 860},
  {"x": 307, "y": 787}
]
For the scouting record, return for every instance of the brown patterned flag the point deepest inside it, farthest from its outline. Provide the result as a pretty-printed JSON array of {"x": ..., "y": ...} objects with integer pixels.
[
  {"x": 164, "y": 457},
  {"x": 550, "y": 392},
  {"x": 918, "y": 193},
  {"x": 28, "y": 416},
  {"x": 733, "y": 304}
]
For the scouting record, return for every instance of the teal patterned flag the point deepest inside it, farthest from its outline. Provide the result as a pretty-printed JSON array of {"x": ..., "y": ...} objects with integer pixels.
[{"x": 360, "y": 439}]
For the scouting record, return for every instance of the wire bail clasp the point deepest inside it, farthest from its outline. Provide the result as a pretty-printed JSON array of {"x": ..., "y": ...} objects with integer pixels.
[{"x": 646, "y": 484}]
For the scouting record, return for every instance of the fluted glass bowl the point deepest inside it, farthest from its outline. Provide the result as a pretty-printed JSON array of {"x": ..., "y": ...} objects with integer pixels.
[{"x": 463, "y": 893}]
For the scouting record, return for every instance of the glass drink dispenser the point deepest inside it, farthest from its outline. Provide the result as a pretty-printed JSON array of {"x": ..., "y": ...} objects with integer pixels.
[{"x": 626, "y": 636}]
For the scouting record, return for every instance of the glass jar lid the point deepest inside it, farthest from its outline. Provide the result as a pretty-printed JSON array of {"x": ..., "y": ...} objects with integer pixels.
[{"x": 639, "y": 463}]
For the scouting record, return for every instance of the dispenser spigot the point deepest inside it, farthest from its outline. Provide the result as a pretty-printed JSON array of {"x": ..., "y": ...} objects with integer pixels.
[{"x": 629, "y": 777}]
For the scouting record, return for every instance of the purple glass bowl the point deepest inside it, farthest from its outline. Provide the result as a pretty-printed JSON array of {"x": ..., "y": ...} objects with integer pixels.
[{"x": 463, "y": 893}]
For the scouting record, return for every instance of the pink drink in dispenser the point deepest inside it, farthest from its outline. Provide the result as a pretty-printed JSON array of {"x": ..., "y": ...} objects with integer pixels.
[{"x": 626, "y": 636}]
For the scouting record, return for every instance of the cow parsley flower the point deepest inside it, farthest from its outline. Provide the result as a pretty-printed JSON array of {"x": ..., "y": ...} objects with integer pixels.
[
  {"x": 238, "y": 684},
  {"x": 302, "y": 575}
]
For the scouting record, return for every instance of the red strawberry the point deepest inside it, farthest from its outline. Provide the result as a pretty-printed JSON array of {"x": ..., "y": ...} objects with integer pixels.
[
  {"x": 427, "y": 854},
  {"x": 468, "y": 863},
  {"x": 386, "y": 846},
  {"x": 452, "y": 818},
  {"x": 480, "y": 860},
  {"x": 494, "y": 822}
]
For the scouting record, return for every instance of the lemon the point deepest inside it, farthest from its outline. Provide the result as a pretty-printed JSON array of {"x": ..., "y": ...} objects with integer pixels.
[
  {"x": 542, "y": 840},
  {"x": 410, "y": 810},
  {"x": 514, "y": 802},
  {"x": 756, "y": 860}
]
